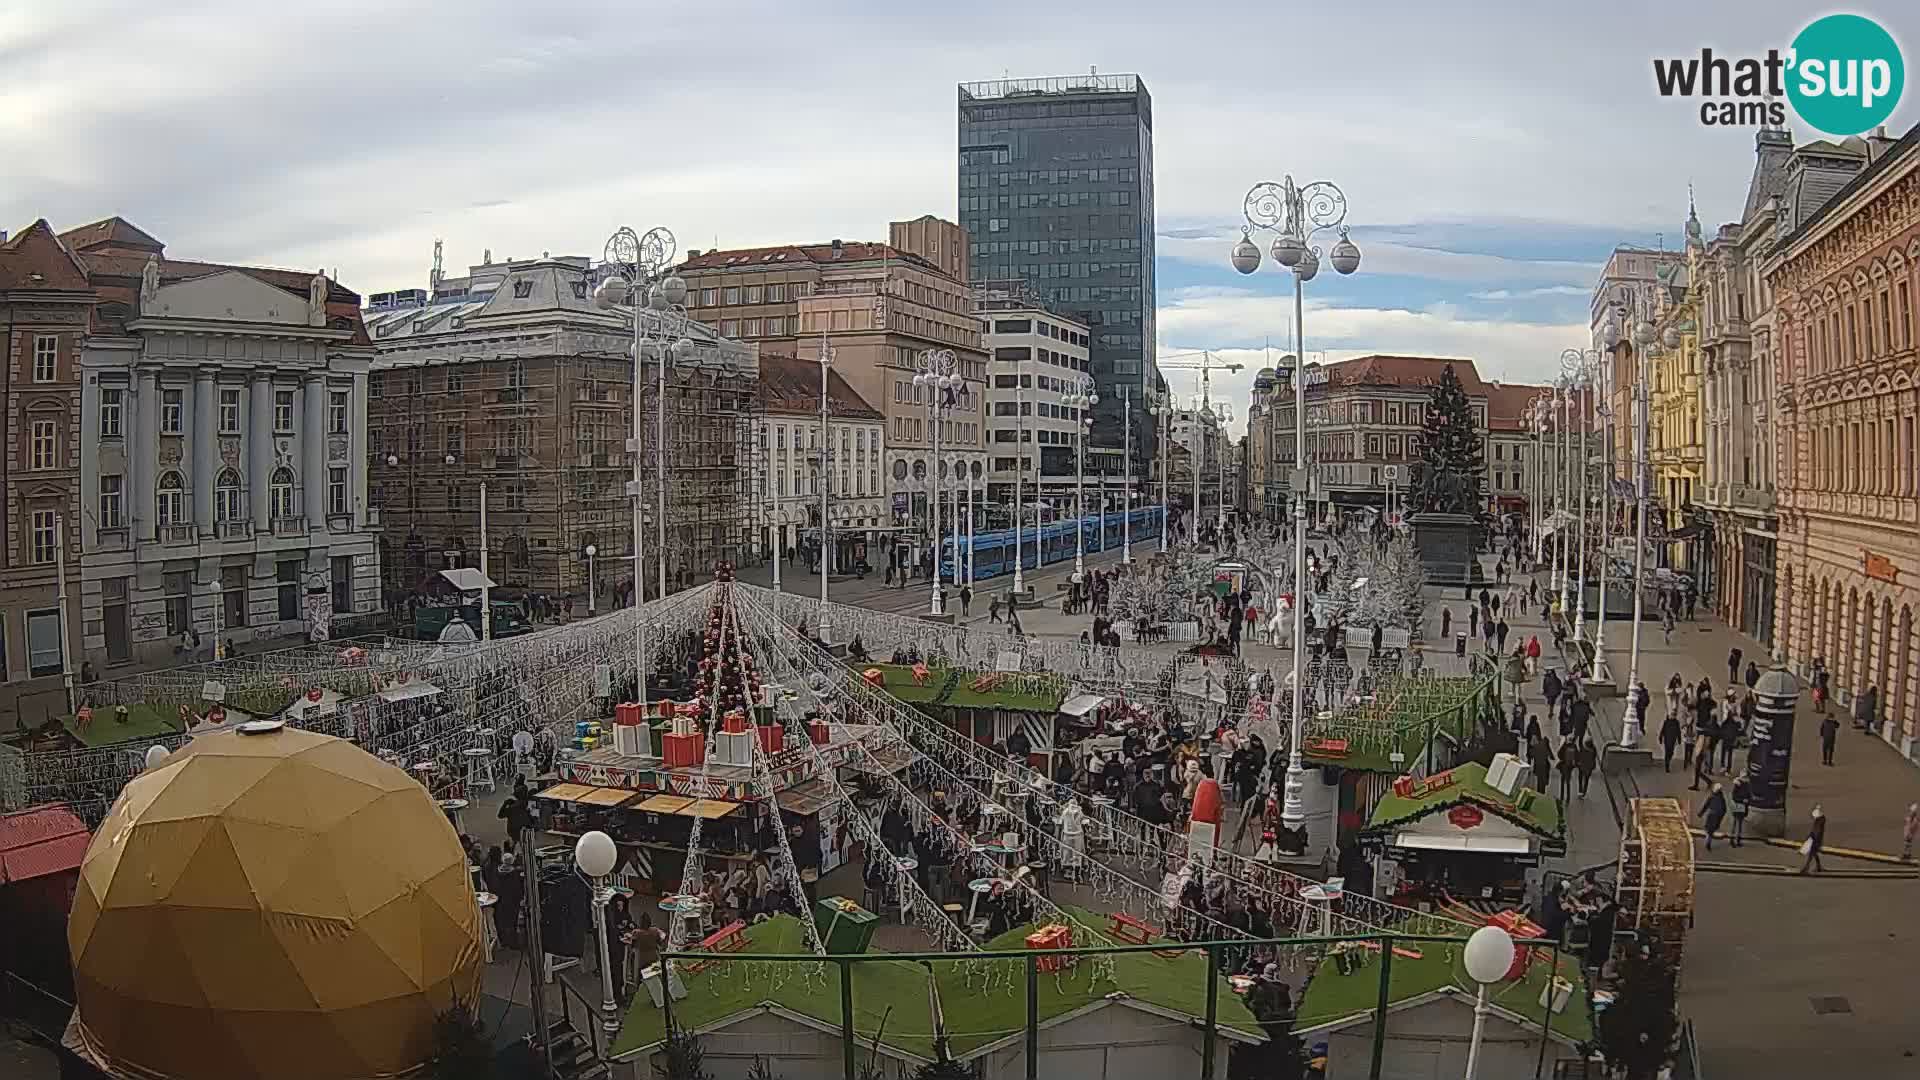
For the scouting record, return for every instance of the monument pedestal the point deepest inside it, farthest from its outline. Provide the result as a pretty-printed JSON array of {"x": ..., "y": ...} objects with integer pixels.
[
  {"x": 1618, "y": 759},
  {"x": 1766, "y": 824},
  {"x": 1445, "y": 545}
]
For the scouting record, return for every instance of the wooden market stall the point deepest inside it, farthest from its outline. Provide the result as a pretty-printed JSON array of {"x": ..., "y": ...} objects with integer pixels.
[
  {"x": 1456, "y": 835},
  {"x": 989, "y": 706}
]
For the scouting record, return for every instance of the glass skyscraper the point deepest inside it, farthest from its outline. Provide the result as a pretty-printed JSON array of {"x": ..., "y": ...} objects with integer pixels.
[{"x": 1056, "y": 191}]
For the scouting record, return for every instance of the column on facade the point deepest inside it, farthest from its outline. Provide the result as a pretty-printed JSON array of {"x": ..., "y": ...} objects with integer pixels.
[
  {"x": 260, "y": 451},
  {"x": 356, "y": 451},
  {"x": 313, "y": 448},
  {"x": 144, "y": 448},
  {"x": 206, "y": 452}
]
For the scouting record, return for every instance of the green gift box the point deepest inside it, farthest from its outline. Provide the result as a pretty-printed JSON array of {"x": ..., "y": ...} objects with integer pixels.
[{"x": 846, "y": 927}]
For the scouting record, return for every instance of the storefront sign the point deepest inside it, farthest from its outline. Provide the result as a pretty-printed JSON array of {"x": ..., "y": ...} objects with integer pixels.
[
  {"x": 1880, "y": 568},
  {"x": 1465, "y": 817}
]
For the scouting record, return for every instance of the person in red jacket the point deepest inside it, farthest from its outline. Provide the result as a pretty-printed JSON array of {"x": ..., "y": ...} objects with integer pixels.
[{"x": 1533, "y": 653}]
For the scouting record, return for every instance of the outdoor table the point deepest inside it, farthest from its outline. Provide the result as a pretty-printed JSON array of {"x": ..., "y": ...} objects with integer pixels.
[
  {"x": 453, "y": 808},
  {"x": 422, "y": 771},
  {"x": 682, "y": 904},
  {"x": 488, "y": 935},
  {"x": 906, "y": 864},
  {"x": 1005, "y": 852}
]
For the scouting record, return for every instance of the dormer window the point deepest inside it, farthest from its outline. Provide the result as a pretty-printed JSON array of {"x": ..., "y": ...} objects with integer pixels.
[
  {"x": 580, "y": 290},
  {"x": 522, "y": 289}
]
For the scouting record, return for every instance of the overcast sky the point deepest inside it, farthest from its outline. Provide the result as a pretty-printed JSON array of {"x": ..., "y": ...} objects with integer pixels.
[{"x": 1490, "y": 161}]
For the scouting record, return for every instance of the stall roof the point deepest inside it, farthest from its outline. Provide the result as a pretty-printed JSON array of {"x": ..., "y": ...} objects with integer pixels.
[
  {"x": 467, "y": 579},
  {"x": 665, "y": 804},
  {"x": 891, "y": 758},
  {"x": 607, "y": 797},
  {"x": 1490, "y": 845},
  {"x": 566, "y": 792},
  {"x": 1082, "y": 704},
  {"x": 1006, "y": 691},
  {"x": 1469, "y": 785},
  {"x": 407, "y": 691},
  {"x": 709, "y": 808},
  {"x": 805, "y": 798}
]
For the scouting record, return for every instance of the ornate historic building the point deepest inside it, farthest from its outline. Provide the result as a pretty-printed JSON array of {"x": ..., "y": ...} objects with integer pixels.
[
  {"x": 1844, "y": 288},
  {"x": 44, "y": 305},
  {"x": 1676, "y": 436}
]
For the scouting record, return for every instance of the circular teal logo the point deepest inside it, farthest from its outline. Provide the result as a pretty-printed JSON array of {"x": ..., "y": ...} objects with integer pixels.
[{"x": 1845, "y": 74}]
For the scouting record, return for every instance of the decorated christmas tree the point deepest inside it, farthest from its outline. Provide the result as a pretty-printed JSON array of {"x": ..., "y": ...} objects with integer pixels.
[
  {"x": 1449, "y": 477},
  {"x": 1637, "y": 1033}
]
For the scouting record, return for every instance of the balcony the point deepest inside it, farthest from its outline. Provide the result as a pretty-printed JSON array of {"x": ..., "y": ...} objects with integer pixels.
[
  {"x": 112, "y": 538},
  {"x": 179, "y": 534},
  {"x": 240, "y": 528},
  {"x": 290, "y": 526}
]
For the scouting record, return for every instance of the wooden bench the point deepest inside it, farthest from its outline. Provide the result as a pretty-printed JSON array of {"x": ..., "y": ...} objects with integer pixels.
[
  {"x": 1131, "y": 930},
  {"x": 728, "y": 939}
]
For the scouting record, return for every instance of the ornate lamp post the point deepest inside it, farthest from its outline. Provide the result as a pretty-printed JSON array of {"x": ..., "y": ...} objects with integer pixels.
[
  {"x": 826, "y": 485},
  {"x": 1295, "y": 214},
  {"x": 1081, "y": 400},
  {"x": 1643, "y": 339},
  {"x": 1582, "y": 367},
  {"x": 1019, "y": 491},
  {"x": 592, "y": 605},
  {"x": 595, "y": 854},
  {"x": 637, "y": 279},
  {"x": 1126, "y": 465},
  {"x": 939, "y": 375},
  {"x": 1159, "y": 408},
  {"x": 1223, "y": 414}
]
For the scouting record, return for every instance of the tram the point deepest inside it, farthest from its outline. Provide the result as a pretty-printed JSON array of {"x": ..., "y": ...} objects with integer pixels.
[{"x": 1051, "y": 543}]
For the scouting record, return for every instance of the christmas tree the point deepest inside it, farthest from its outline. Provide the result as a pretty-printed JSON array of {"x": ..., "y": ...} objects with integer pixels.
[
  {"x": 1449, "y": 478},
  {"x": 1637, "y": 1033}
]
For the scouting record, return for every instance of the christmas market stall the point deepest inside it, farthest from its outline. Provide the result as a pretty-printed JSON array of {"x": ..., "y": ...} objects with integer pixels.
[
  {"x": 990, "y": 707},
  {"x": 1468, "y": 833}
]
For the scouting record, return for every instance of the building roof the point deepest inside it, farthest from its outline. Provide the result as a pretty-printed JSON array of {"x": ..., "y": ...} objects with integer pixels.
[
  {"x": 1466, "y": 784},
  {"x": 1409, "y": 372},
  {"x": 1840, "y": 193},
  {"x": 113, "y": 234},
  {"x": 792, "y": 386},
  {"x": 34, "y": 259},
  {"x": 39, "y": 841},
  {"x": 781, "y": 256},
  {"x": 1507, "y": 405}
]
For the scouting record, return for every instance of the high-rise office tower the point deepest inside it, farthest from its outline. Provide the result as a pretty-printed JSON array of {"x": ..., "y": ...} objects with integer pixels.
[{"x": 1056, "y": 191}]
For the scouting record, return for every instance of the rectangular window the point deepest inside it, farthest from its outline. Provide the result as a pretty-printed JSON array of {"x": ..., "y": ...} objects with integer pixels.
[
  {"x": 709, "y": 297},
  {"x": 729, "y": 328},
  {"x": 177, "y": 587},
  {"x": 752, "y": 328},
  {"x": 41, "y": 537},
  {"x": 44, "y": 445},
  {"x": 46, "y": 653},
  {"x": 456, "y": 382},
  {"x": 233, "y": 595},
  {"x": 46, "y": 357},
  {"x": 342, "y": 584},
  {"x": 116, "y": 622},
  {"x": 777, "y": 326},
  {"x": 337, "y": 491},
  {"x": 229, "y": 412},
  {"x": 337, "y": 412},
  {"x": 286, "y": 575},
  {"x": 753, "y": 294},
  {"x": 112, "y": 503},
  {"x": 110, "y": 399},
  {"x": 172, "y": 404},
  {"x": 776, "y": 294},
  {"x": 731, "y": 295},
  {"x": 283, "y": 410}
]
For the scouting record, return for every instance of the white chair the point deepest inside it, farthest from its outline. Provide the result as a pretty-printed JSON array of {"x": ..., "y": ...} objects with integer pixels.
[{"x": 479, "y": 769}]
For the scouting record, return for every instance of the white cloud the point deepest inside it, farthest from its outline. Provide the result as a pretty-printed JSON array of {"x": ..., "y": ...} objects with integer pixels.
[
  {"x": 1386, "y": 257},
  {"x": 1507, "y": 351},
  {"x": 1528, "y": 294}
]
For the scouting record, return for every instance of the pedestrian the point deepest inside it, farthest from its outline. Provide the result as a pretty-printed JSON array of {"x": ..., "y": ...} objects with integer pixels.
[
  {"x": 1493, "y": 602},
  {"x": 1564, "y": 764},
  {"x": 1586, "y": 759},
  {"x": 1446, "y": 623},
  {"x": 1829, "y": 731},
  {"x": 1816, "y": 840},
  {"x": 1714, "y": 810},
  {"x": 1666, "y": 626},
  {"x": 1639, "y": 699},
  {"x": 1703, "y": 756},
  {"x": 1473, "y": 621},
  {"x": 966, "y": 597},
  {"x": 1866, "y": 708},
  {"x": 1533, "y": 591},
  {"x": 1733, "y": 665},
  {"x": 1753, "y": 674},
  {"x": 1542, "y": 761},
  {"x": 993, "y": 610},
  {"x": 1670, "y": 737},
  {"x": 1819, "y": 680},
  {"x": 1741, "y": 799},
  {"x": 1907, "y": 830},
  {"x": 1550, "y": 687},
  {"x": 1500, "y": 635},
  {"x": 1533, "y": 653}
]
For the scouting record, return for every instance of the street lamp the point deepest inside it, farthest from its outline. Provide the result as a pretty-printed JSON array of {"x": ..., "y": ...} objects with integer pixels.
[
  {"x": 1224, "y": 414},
  {"x": 826, "y": 482},
  {"x": 1643, "y": 339},
  {"x": 1081, "y": 399},
  {"x": 973, "y": 513},
  {"x": 1159, "y": 408},
  {"x": 1603, "y": 414},
  {"x": 939, "y": 375},
  {"x": 1489, "y": 956},
  {"x": 1126, "y": 467},
  {"x": 591, "y": 603},
  {"x": 1294, "y": 215},
  {"x": 1019, "y": 484},
  {"x": 1583, "y": 365},
  {"x": 595, "y": 854},
  {"x": 636, "y": 279}
]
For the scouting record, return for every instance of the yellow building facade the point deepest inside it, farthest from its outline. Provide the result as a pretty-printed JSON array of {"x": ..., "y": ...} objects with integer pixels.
[{"x": 1676, "y": 423}]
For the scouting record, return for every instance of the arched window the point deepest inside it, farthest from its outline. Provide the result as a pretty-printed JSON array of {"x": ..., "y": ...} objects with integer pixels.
[
  {"x": 172, "y": 507},
  {"x": 227, "y": 500},
  {"x": 281, "y": 488}
]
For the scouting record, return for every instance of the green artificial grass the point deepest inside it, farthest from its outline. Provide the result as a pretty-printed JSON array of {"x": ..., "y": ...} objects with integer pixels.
[
  {"x": 1331, "y": 996},
  {"x": 953, "y": 688},
  {"x": 143, "y": 722},
  {"x": 1471, "y": 786},
  {"x": 895, "y": 991}
]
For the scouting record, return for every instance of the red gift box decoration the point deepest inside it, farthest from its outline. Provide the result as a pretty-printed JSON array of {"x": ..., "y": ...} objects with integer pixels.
[
  {"x": 683, "y": 751},
  {"x": 1053, "y": 936},
  {"x": 773, "y": 738},
  {"x": 627, "y": 714},
  {"x": 818, "y": 732},
  {"x": 735, "y": 722},
  {"x": 1519, "y": 926},
  {"x": 1403, "y": 786}
]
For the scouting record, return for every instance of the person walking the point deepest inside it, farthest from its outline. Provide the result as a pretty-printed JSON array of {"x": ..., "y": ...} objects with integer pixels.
[
  {"x": 1666, "y": 626},
  {"x": 1819, "y": 681},
  {"x": 1639, "y": 700},
  {"x": 1816, "y": 841},
  {"x": 1446, "y": 623},
  {"x": 1908, "y": 829},
  {"x": 1829, "y": 731},
  {"x": 1473, "y": 621},
  {"x": 1713, "y": 811},
  {"x": 1753, "y": 674},
  {"x": 1703, "y": 755},
  {"x": 1740, "y": 803},
  {"x": 1670, "y": 737},
  {"x": 1729, "y": 739},
  {"x": 1533, "y": 654},
  {"x": 1541, "y": 759},
  {"x": 1500, "y": 632},
  {"x": 993, "y": 610},
  {"x": 1586, "y": 759},
  {"x": 966, "y": 598},
  {"x": 1733, "y": 665},
  {"x": 1564, "y": 762}
]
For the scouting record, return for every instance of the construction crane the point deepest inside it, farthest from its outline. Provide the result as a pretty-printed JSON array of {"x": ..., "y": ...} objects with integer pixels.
[{"x": 1206, "y": 364}]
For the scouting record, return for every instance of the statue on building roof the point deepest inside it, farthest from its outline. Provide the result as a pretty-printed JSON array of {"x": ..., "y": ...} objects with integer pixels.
[
  {"x": 317, "y": 300},
  {"x": 150, "y": 280}
]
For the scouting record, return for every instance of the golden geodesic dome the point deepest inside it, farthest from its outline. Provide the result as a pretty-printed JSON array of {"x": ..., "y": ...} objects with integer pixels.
[{"x": 281, "y": 904}]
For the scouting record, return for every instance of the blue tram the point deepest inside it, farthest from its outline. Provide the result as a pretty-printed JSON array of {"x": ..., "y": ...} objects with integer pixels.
[{"x": 1051, "y": 543}]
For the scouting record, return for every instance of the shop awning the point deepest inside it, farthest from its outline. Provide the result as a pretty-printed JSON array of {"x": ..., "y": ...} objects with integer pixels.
[
  {"x": 1081, "y": 704},
  {"x": 567, "y": 792},
  {"x": 709, "y": 809},
  {"x": 408, "y": 691},
  {"x": 805, "y": 799},
  {"x": 467, "y": 579},
  {"x": 607, "y": 797},
  {"x": 1485, "y": 845},
  {"x": 665, "y": 804}
]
